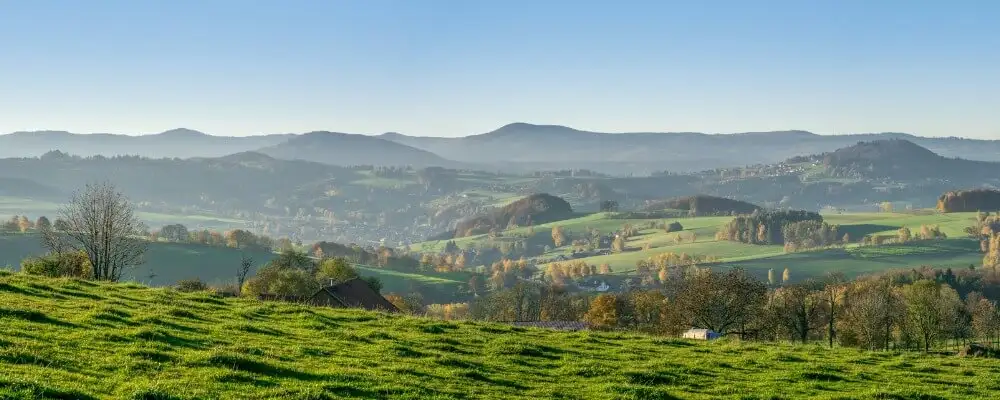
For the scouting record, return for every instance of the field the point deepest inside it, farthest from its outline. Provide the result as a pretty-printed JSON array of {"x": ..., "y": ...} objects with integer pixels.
[
  {"x": 170, "y": 262},
  {"x": 35, "y": 208},
  {"x": 71, "y": 339},
  {"x": 954, "y": 252}
]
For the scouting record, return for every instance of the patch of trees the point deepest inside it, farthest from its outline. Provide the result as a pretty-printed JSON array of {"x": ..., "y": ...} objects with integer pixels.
[
  {"x": 969, "y": 200},
  {"x": 705, "y": 205},
  {"x": 764, "y": 227},
  {"x": 535, "y": 209},
  {"x": 809, "y": 234},
  {"x": 905, "y": 309},
  {"x": 294, "y": 274},
  {"x": 382, "y": 256}
]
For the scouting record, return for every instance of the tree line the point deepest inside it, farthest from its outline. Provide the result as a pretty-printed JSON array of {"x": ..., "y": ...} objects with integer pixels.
[{"x": 916, "y": 309}]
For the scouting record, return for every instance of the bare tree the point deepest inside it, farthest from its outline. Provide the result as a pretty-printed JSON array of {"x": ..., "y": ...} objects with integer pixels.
[
  {"x": 241, "y": 274},
  {"x": 102, "y": 222}
]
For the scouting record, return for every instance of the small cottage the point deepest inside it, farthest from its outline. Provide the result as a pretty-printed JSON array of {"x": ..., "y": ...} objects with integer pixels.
[
  {"x": 701, "y": 334},
  {"x": 355, "y": 293}
]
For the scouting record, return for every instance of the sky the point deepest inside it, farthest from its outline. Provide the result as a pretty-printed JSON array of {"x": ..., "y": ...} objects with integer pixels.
[{"x": 461, "y": 67}]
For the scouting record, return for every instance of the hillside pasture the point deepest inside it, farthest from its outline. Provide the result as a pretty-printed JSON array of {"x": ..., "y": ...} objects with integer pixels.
[
  {"x": 72, "y": 339},
  {"x": 167, "y": 263}
]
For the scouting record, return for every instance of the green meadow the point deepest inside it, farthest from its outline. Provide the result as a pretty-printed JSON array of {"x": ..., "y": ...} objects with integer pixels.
[
  {"x": 72, "y": 339},
  {"x": 167, "y": 263},
  {"x": 954, "y": 252}
]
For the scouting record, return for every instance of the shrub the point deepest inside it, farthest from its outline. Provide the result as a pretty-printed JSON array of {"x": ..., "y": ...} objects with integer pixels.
[
  {"x": 674, "y": 227},
  {"x": 191, "y": 285},
  {"x": 70, "y": 264}
]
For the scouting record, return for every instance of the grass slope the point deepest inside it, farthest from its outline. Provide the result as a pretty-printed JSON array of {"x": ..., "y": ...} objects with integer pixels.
[
  {"x": 955, "y": 252},
  {"x": 69, "y": 339},
  {"x": 171, "y": 262}
]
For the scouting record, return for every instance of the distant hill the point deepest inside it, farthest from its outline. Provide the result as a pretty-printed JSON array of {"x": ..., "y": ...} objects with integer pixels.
[
  {"x": 528, "y": 146},
  {"x": 173, "y": 143},
  {"x": 704, "y": 205},
  {"x": 900, "y": 159},
  {"x": 535, "y": 209},
  {"x": 349, "y": 149}
]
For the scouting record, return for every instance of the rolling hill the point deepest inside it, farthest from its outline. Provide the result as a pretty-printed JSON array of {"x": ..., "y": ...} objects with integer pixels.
[
  {"x": 181, "y": 142},
  {"x": 351, "y": 149},
  {"x": 530, "y": 146},
  {"x": 902, "y": 160},
  {"x": 72, "y": 339}
]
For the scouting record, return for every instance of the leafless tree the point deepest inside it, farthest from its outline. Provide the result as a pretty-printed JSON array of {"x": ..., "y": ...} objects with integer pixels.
[
  {"x": 102, "y": 222},
  {"x": 246, "y": 263}
]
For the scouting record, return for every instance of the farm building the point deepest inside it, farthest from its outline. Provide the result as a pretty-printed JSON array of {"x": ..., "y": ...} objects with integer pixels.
[
  {"x": 701, "y": 334},
  {"x": 557, "y": 325},
  {"x": 355, "y": 293}
]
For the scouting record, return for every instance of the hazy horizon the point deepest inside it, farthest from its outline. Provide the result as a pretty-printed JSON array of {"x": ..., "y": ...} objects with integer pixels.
[
  {"x": 445, "y": 68},
  {"x": 137, "y": 134}
]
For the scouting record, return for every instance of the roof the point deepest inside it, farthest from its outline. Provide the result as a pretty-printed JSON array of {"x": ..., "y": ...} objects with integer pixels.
[
  {"x": 356, "y": 293},
  {"x": 561, "y": 325}
]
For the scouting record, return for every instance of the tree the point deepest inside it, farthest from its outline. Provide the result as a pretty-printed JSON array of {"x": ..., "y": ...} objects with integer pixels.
[
  {"x": 459, "y": 262},
  {"x": 618, "y": 245},
  {"x": 43, "y": 223},
  {"x": 24, "y": 224},
  {"x": 903, "y": 234},
  {"x": 871, "y": 311},
  {"x": 294, "y": 259},
  {"x": 246, "y": 263},
  {"x": 722, "y": 302},
  {"x": 886, "y": 206},
  {"x": 335, "y": 270},
  {"x": 603, "y": 312},
  {"x": 786, "y": 276},
  {"x": 102, "y": 222},
  {"x": 174, "y": 233},
  {"x": 932, "y": 309},
  {"x": 771, "y": 278},
  {"x": 60, "y": 225},
  {"x": 674, "y": 227},
  {"x": 558, "y": 238},
  {"x": 798, "y": 310},
  {"x": 833, "y": 290},
  {"x": 985, "y": 319},
  {"x": 609, "y": 206},
  {"x": 846, "y": 239}
]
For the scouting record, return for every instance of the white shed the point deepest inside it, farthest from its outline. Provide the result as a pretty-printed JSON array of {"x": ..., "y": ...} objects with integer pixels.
[{"x": 701, "y": 334}]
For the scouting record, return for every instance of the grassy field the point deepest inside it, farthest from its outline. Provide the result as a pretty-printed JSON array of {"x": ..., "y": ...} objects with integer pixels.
[
  {"x": 34, "y": 208},
  {"x": 171, "y": 262},
  {"x": 955, "y": 252},
  {"x": 69, "y": 339}
]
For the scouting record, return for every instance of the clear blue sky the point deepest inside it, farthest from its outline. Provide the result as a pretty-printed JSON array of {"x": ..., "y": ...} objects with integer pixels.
[{"x": 447, "y": 68}]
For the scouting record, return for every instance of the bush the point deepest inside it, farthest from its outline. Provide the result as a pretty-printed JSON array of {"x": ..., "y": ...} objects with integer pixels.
[
  {"x": 69, "y": 264},
  {"x": 190, "y": 285},
  {"x": 674, "y": 227}
]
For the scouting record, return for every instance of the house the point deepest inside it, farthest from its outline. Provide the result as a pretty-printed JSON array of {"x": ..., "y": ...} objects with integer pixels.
[
  {"x": 355, "y": 293},
  {"x": 557, "y": 325},
  {"x": 701, "y": 334}
]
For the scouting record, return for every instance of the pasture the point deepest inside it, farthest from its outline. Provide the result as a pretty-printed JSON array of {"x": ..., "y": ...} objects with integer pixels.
[{"x": 72, "y": 339}]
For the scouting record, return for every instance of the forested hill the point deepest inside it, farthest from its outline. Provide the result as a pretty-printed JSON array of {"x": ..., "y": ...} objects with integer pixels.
[
  {"x": 561, "y": 147},
  {"x": 517, "y": 147},
  {"x": 903, "y": 160},
  {"x": 349, "y": 149}
]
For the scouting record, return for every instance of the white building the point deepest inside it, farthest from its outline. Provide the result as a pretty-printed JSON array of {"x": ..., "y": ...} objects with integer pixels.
[{"x": 701, "y": 334}]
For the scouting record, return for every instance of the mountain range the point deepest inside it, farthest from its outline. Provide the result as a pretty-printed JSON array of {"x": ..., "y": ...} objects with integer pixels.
[{"x": 513, "y": 147}]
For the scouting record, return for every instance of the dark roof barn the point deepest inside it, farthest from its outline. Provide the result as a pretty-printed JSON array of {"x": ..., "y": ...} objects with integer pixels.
[{"x": 355, "y": 293}]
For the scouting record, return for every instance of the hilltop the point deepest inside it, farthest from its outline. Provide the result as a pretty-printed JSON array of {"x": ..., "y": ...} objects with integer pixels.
[
  {"x": 99, "y": 340},
  {"x": 902, "y": 160},
  {"x": 704, "y": 205},
  {"x": 535, "y": 209},
  {"x": 349, "y": 149}
]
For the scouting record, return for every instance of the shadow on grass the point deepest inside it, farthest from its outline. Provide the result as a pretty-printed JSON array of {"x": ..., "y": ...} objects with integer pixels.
[
  {"x": 5, "y": 287},
  {"x": 32, "y": 316},
  {"x": 478, "y": 376},
  {"x": 242, "y": 363},
  {"x": 153, "y": 335},
  {"x": 31, "y": 390},
  {"x": 244, "y": 379}
]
